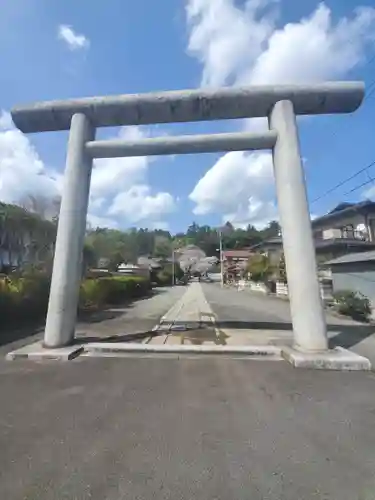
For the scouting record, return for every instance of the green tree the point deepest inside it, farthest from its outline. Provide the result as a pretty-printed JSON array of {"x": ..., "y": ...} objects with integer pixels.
[
  {"x": 260, "y": 268},
  {"x": 162, "y": 247}
]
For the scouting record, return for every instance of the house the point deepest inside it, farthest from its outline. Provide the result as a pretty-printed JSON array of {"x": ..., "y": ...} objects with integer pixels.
[
  {"x": 354, "y": 272},
  {"x": 235, "y": 261},
  {"x": 272, "y": 247},
  {"x": 133, "y": 270},
  {"x": 349, "y": 228}
]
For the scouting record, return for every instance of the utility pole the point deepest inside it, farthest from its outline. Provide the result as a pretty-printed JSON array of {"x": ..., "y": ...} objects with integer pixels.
[
  {"x": 221, "y": 259},
  {"x": 173, "y": 267}
]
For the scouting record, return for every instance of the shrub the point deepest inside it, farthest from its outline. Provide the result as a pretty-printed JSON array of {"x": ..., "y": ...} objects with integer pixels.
[
  {"x": 25, "y": 298},
  {"x": 260, "y": 268},
  {"x": 113, "y": 290},
  {"x": 91, "y": 294},
  {"x": 353, "y": 304},
  {"x": 164, "y": 276}
]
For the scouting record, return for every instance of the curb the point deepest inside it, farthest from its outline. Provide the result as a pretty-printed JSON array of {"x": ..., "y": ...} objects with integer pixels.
[{"x": 263, "y": 351}]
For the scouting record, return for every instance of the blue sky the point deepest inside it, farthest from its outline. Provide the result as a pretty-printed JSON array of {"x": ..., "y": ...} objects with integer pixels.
[{"x": 56, "y": 50}]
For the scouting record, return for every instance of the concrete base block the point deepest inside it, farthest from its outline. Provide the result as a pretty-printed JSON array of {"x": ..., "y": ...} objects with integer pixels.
[
  {"x": 265, "y": 351},
  {"x": 37, "y": 352},
  {"x": 334, "y": 359}
]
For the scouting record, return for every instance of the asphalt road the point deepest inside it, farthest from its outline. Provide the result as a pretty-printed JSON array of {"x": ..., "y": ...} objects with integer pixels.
[
  {"x": 139, "y": 316},
  {"x": 251, "y": 307},
  {"x": 267, "y": 314},
  {"x": 212, "y": 428}
]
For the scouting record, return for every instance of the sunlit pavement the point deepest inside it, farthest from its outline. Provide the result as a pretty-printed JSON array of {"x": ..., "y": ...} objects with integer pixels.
[
  {"x": 261, "y": 319},
  {"x": 184, "y": 428},
  {"x": 168, "y": 428}
]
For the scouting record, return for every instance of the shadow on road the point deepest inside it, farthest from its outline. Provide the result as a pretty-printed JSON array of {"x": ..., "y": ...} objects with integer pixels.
[
  {"x": 129, "y": 337},
  {"x": 203, "y": 335},
  {"x": 349, "y": 335},
  {"x": 26, "y": 329},
  {"x": 346, "y": 336},
  {"x": 13, "y": 335},
  {"x": 97, "y": 316}
]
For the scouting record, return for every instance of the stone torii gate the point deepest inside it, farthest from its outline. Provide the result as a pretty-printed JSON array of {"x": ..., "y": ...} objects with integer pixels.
[{"x": 280, "y": 104}]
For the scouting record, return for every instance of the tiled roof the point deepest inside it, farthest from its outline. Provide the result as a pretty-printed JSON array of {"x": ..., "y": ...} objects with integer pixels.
[
  {"x": 354, "y": 257},
  {"x": 363, "y": 208},
  {"x": 239, "y": 254}
]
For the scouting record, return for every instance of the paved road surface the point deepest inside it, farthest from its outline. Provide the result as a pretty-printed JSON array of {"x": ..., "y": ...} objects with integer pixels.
[
  {"x": 213, "y": 428},
  {"x": 270, "y": 316},
  {"x": 135, "y": 317},
  {"x": 210, "y": 428}
]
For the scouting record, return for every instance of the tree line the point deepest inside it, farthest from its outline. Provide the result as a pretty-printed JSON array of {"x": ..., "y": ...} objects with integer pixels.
[
  {"x": 28, "y": 232},
  {"x": 127, "y": 246}
]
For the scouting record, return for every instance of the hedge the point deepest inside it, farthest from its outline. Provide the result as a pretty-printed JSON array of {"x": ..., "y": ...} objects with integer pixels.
[
  {"x": 24, "y": 299},
  {"x": 110, "y": 291}
]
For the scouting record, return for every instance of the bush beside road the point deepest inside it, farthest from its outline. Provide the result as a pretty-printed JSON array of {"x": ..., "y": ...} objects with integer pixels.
[{"x": 24, "y": 299}]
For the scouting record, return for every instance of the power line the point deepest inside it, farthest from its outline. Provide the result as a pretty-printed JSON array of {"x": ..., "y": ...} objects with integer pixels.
[
  {"x": 370, "y": 61},
  {"x": 335, "y": 133},
  {"x": 344, "y": 181},
  {"x": 370, "y": 92},
  {"x": 358, "y": 187}
]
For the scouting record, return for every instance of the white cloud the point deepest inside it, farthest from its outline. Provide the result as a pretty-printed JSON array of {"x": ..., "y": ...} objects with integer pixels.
[
  {"x": 95, "y": 221},
  {"x": 226, "y": 38},
  {"x": 22, "y": 172},
  {"x": 315, "y": 49},
  {"x": 73, "y": 40},
  {"x": 368, "y": 193},
  {"x": 113, "y": 175},
  {"x": 119, "y": 190},
  {"x": 138, "y": 204},
  {"x": 242, "y": 46},
  {"x": 163, "y": 225},
  {"x": 240, "y": 186},
  {"x": 6, "y": 122}
]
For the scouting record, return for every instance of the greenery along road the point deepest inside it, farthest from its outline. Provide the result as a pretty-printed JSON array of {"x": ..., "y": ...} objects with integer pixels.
[
  {"x": 28, "y": 232},
  {"x": 128, "y": 245}
]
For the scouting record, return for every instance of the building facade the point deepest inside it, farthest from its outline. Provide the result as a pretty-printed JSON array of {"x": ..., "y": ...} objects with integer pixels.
[
  {"x": 349, "y": 228},
  {"x": 355, "y": 272},
  {"x": 235, "y": 262}
]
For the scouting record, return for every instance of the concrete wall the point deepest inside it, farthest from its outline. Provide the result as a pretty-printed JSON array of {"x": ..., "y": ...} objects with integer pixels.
[
  {"x": 357, "y": 276},
  {"x": 281, "y": 288},
  {"x": 258, "y": 287},
  {"x": 353, "y": 219},
  {"x": 325, "y": 289},
  {"x": 331, "y": 233}
]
